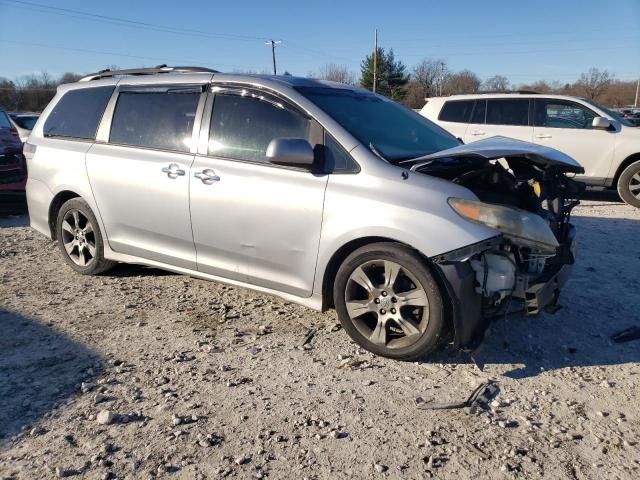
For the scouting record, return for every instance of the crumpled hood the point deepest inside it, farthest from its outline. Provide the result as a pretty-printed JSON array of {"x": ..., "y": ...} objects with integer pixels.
[{"x": 502, "y": 147}]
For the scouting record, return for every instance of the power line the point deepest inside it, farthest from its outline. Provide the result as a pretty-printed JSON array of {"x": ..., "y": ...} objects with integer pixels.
[{"x": 126, "y": 21}]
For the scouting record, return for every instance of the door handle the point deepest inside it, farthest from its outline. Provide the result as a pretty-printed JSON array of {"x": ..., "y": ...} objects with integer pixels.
[
  {"x": 543, "y": 135},
  {"x": 207, "y": 176},
  {"x": 477, "y": 133},
  {"x": 173, "y": 170}
]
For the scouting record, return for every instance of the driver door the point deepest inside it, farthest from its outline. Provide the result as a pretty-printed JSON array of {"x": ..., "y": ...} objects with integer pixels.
[{"x": 566, "y": 126}]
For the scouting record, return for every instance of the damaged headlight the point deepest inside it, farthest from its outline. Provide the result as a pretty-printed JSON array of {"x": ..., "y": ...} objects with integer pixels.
[{"x": 524, "y": 228}]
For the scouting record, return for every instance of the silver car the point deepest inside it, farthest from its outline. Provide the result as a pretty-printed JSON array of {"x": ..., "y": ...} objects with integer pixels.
[{"x": 324, "y": 194}]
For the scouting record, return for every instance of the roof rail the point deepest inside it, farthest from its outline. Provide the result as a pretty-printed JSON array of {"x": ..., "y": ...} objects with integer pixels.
[
  {"x": 145, "y": 71},
  {"x": 523, "y": 92}
]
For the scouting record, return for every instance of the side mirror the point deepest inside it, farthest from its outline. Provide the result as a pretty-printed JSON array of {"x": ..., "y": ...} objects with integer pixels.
[
  {"x": 290, "y": 151},
  {"x": 602, "y": 123}
]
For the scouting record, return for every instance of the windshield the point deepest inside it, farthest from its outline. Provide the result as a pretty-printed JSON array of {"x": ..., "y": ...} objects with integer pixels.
[
  {"x": 611, "y": 113},
  {"x": 394, "y": 131},
  {"x": 25, "y": 122}
]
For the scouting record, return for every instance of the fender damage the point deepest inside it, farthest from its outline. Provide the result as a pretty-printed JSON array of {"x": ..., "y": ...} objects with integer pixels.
[{"x": 525, "y": 193}]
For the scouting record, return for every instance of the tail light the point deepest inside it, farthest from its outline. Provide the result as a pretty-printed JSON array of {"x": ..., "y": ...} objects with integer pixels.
[{"x": 29, "y": 150}]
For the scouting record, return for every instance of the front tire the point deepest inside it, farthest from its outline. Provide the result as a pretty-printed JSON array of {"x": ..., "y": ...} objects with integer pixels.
[
  {"x": 388, "y": 301},
  {"x": 629, "y": 184},
  {"x": 80, "y": 239}
]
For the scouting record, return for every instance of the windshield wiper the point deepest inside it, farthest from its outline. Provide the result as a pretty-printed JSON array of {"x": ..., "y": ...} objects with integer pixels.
[{"x": 376, "y": 152}]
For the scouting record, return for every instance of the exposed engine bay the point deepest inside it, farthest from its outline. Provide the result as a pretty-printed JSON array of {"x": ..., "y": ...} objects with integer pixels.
[{"x": 527, "y": 195}]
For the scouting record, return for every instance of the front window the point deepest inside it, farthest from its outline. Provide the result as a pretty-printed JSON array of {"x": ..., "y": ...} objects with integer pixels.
[
  {"x": 562, "y": 114},
  {"x": 243, "y": 126},
  {"x": 615, "y": 115},
  {"x": 396, "y": 132}
]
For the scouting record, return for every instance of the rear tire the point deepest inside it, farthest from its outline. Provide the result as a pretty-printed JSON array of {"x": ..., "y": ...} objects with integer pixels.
[
  {"x": 388, "y": 301},
  {"x": 80, "y": 239},
  {"x": 629, "y": 184}
]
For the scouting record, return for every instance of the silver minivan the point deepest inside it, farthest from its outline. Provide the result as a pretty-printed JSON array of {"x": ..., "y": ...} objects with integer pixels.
[{"x": 324, "y": 194}]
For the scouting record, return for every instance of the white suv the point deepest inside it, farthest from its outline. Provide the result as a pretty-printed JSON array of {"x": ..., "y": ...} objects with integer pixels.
[{"x": 605, "y": 144}]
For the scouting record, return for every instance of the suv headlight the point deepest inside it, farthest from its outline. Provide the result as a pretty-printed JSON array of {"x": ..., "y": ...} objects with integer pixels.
[{"x": 524, "y": 228}]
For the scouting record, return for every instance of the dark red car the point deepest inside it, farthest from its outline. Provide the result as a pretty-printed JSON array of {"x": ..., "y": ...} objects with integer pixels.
[{"x": 13, "y": 166}]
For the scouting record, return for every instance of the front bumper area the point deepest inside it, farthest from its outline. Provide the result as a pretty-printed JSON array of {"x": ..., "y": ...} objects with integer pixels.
[{"x": 470, "y": 317}]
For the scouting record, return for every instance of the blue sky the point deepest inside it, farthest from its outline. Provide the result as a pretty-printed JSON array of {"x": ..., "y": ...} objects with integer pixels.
[{"x": 524, "y": 41}]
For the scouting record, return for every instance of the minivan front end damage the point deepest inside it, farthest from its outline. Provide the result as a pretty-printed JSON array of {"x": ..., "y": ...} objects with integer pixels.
[{"x": 524, "y": 193}]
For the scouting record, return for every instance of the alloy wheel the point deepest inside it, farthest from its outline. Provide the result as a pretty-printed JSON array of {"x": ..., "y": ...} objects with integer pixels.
[
  {"x": 634, "y": 185},
  {"x": 387, "y": 304},
  {"x": 78, "y": 238}
]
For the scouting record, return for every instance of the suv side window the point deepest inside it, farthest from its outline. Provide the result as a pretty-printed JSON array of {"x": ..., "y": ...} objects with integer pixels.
[
  {"x": 162, "y": 120},
  {"x": 479, "y": 111},
  {"x": 456, "y": 111},
  {"x": 243, "y": 125},
  {"x": 508, "y": 112},
  {"x": 78, "y": 113},
  {"x": 553, "y": 113},
  {"x": 4, "y": 120}
]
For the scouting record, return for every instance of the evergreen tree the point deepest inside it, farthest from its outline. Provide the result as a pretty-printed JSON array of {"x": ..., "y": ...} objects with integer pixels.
[{"x": 391, "y": 75}]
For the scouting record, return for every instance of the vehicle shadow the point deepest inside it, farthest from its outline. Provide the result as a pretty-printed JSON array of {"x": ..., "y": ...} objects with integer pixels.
[
  {"x": 40, "y": 368},
  {"x": 13, "y": 211},
  {"x": 600, "y": 299},
  {"x": 607, "y": 196},
  {"x": 126, "y": 270}
]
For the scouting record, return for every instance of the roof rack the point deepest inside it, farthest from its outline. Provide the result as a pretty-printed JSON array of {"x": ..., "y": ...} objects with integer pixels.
[
  {"x": 145, "y": 71},
  {"x": 523, "y": 92}
]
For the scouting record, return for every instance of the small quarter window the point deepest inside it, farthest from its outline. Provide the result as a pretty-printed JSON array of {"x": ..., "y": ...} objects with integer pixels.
[
  {"x": 243, "y": 125},
  {"x": 78, "y": 113},
  {"x": 336, "y": 158},
  {"x": 456, "y": 111}
]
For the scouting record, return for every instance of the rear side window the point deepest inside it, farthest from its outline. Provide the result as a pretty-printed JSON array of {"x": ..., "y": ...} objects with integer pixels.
[
  {"x": 508, "y": 112},
  {"x": 456, "y": 111},
  {"x": 162, "y": 120},
  {"x": 243, "y": 126},
  {"x": 479, "y": 111},
  {"x": 4, "y": 120},
  {"x": 78, "y": 113}
]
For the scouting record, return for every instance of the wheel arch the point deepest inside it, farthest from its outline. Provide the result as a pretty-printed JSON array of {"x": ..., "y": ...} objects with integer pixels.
[
  {"x": 634, "y": 157},
  {"x": 54, "y": 208}
]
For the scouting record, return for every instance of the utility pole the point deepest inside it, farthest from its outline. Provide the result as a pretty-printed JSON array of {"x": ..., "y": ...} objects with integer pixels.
[
  {"x": 375, "y": 59},
  {"x": 635, "y": 103},
  {"x": 441, "y": 78},
  {"x": 273, "y": 44}
]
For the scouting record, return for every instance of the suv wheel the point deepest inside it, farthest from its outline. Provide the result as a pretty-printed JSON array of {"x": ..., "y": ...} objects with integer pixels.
[
  {"x": 629, "y": 184},
  {"x": 388, "y": 301},
  {"x": 79, "y": 238}
]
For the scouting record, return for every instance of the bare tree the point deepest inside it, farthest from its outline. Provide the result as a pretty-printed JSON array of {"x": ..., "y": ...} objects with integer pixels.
[
  {"x": 337, "y": 73},
  {"x": 594, "y": 82},
  {"x": 427, "y": 75},
  {"x": 464, "y": 81},
  {"x": 497, "y": 83}
]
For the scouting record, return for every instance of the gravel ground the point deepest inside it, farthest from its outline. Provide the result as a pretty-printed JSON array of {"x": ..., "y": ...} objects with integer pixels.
[{"x": 140, "y": 373}]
